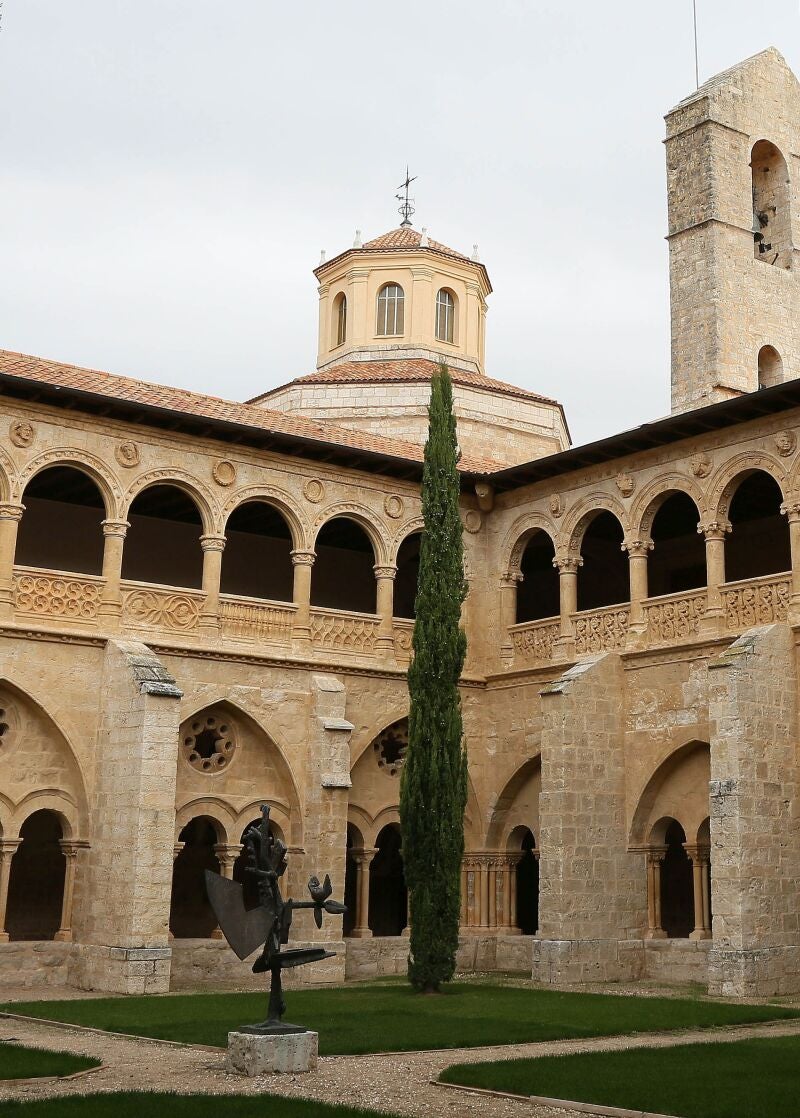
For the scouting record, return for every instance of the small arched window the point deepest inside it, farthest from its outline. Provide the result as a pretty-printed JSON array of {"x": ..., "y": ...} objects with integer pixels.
[
  {"x": 445, "y": 316},
  {"x": 390, "y": 309},
  {"x": 772, "y": 233},
  {"x": 770, "y": 367},
  {"x": 340, "y": 319}
]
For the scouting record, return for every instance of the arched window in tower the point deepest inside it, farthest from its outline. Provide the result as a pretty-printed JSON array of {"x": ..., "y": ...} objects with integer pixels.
[
  {"x": 771, "y": 213},
  {"x": 390, "y": 310},
  {"x": 770, "y": 367},
  {"x": 445, "y": 316},
  {"x": 340, "y": 319}
]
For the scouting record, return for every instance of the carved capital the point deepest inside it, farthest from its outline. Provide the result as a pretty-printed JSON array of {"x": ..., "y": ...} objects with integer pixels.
[
  {"x": 656, "y": 855},
  {"x": 568, "y": 564},
  {"x": 117, "y": 528},
  {"x": 509, "y": 579},
  {"x": 212, "y": 543},
  {"x": 791, "y": 510},
  {"x": 637, "y": 547},
  {"x": 387, "y": 571},
  {"x": 714, "y": 529},
  {"x": 11, "y": 511},
  {"x": 303, "y": 558}
]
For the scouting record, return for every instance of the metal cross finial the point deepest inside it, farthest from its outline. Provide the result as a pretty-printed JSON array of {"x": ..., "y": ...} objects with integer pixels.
[{"x": 406, "y": 207}]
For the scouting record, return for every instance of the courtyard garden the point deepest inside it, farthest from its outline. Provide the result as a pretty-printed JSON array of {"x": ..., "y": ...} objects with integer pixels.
[
  {"x": 353, "y": 1020},
  {"x": 17, "y": 1062},
  {"x": 736, "y": 1079}
]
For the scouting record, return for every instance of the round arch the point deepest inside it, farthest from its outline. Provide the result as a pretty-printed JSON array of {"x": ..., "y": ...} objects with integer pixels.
[
  {"x": 729, "y": 476},
  {"x": 653, "y": 496},
  {"x": 277, "y": 499},
  {"x": 219, "y": 813},
  {"x": 179, "y": 479},
  {"x": 517, "y": 536},
  {"x": 579, "y": 519},
  {"x": 365, "y": 519},
  {"x": 94, "y": 468}
]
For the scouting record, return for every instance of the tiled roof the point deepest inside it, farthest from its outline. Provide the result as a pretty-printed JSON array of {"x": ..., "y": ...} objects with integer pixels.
[
  {"x": 195, "y": 404},
  {"x": 403, "y": 239},
  {"x": 403, "y": 370}
]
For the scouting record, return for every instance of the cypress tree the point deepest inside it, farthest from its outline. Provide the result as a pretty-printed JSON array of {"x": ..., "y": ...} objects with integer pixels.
[{"x": 433, "y": 790}]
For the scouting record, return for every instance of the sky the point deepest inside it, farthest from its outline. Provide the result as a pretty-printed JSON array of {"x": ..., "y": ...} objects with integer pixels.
[{"x": 171, "y": 169}]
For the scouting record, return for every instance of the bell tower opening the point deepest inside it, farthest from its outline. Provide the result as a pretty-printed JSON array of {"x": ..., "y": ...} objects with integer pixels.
[{"x": 772, "y": 234}]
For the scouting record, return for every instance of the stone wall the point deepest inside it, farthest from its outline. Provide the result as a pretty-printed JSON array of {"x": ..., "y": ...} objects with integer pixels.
[
  {"x": 209, "y": 964},
  {"x": 388, "y": 955}
]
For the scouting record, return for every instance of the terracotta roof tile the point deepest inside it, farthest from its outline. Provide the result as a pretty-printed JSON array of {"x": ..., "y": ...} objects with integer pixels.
[
  {"x": 131, "y": 390},
  {"x": 408, "y": 370}
]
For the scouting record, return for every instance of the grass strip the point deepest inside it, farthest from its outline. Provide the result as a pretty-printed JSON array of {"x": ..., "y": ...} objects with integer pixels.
[
  {"x": 154, "y": 1105},
  {"x": 17, "y": 1062},
  {"x": 360, "y": 1019},
  {"x": 720, "y": 1080}
]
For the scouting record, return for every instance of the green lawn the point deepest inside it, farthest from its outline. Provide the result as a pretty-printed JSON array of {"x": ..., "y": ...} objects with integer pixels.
[
  {"x": 27, "y": 1063},
  {"x": 381, "y": 1018},
  {"x": 132, "y": 1105},
  {"x": 742, "y": 1079}
]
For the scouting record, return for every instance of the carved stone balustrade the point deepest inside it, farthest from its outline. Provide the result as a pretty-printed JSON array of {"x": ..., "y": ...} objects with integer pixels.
[
  {"x": 601, "y": 630},
  {"x": 341, "y": 631},
  {"x": 252, "y": 619},
  {"x": 756, "y": 601},
  {"x": 533, "y": 641},
  {"x": 672, "y": 618},
  {"x": 55, "y": 594},
  {"x": 168, "y": 608}
]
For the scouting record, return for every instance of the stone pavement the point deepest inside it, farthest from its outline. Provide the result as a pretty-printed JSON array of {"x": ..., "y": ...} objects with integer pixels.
[{"x": 398, "y": 1083}]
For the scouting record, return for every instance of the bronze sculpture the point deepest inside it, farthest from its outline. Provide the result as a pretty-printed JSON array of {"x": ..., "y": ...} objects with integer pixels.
[{"x": 270, "y": 921}]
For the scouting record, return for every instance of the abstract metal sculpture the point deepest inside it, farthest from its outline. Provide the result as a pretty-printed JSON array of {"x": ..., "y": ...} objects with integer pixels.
[{"x": 268, "y": 924}]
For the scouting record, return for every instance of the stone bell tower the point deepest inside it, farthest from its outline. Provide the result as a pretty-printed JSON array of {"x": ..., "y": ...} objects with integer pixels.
[{"x": 733, "y": 169}]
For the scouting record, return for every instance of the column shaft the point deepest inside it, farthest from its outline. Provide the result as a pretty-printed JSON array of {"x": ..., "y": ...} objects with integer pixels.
[
  {"x": 10, "y": 516},
  {"x": 302, "y": 562},
  {"x": 384, "y": 607},
  {"x": 212, "y": 546},
  {"x": 70, "y": 851},
  {"x": 7, "y": 850}
]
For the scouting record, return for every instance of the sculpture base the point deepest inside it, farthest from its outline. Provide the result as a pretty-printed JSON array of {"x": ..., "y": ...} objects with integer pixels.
[{"x": 251, "y": 1053}]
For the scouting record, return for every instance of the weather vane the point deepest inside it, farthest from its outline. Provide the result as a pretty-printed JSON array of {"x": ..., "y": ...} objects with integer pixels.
[{"x": 406, "y": 207}]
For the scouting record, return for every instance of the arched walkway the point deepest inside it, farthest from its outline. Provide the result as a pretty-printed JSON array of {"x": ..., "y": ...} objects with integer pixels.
[
  {"x": 405, "y": 583},
  {"x": 758, "y": 543},
  {"x": 678, "y": 559},
  {"x": 36, "y": 883},
  {"x": 257, "y": 560},
  {"x": 190, "y": 914},
  {"x": 677, "y": 901},
  {"x": 163, "y": 542},
  {"x": 538, "y": 594},
  {"x": 342, "y": 576},
  {"x": 526, "y": 916},
  {"x": 61, "y": 528},
  {"x": 388, "y": 899},
  {"x": 604, "y": 578}
]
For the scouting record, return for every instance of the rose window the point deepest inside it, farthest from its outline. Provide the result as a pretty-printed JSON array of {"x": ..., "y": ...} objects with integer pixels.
[
  {"x": 390, "y": 747},
  {"x": 209, "y": 744}
]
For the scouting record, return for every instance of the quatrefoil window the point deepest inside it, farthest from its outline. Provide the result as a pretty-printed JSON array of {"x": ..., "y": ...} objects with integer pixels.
[{"x": 209, "y": 743}]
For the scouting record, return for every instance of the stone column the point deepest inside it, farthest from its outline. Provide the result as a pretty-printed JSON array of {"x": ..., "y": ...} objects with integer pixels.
[
  {"x": 302, "y": 562},
  {"x": 226, "y": 853},
  {"x": 483, "y": 894},
  {"x": 124, "y": 946},
  {"x": 363, "y": 859},
  {"x": 493, "y": 867},
  {"x": 8, "y": 848},
  {"x": 508, "y": 612},
  {"x": 10, "y": 516},
  {"x": 176, "y": 849},
  {"x": 212, "y": 546},
  {"x": 638, "y": 550},
  {"x": 655, "y": 860},
  {"x": 110, "y": 609},
  {"x": 70, "y": 852},
  {"x": 592, "y": 887},
  {"x": 754, "y": 791},
  {"x": 714, "y": 531},
  {"x": 699, "y": 857},
  {"x": 791, "y": 510},
  {"x": 420, "y": 312},
  {"x": 384, "y": 607},
  {"x": 568, "y": 585},
  {"x": 463, "y": 913}
]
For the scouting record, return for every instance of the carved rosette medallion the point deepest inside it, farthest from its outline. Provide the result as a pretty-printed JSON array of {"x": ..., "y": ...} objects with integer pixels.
[
  {"x": 127, "y": 454},
  {"x": 473, "y": 521},
  {"x": 22, "y": 433},
  {"x": 701, "y": 464},
  {"x": 314, "y": 490},
  {"x": 393, "y": 506},
  {"x": 224, "y": 473},
  {"x": 786, "y": 443},
  {"x": 625, "y": 483},
  {"x": 208, "y": 743}
]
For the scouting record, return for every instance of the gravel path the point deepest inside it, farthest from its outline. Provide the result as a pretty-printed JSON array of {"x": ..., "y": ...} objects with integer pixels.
[{"x": 399, "y": 1083}]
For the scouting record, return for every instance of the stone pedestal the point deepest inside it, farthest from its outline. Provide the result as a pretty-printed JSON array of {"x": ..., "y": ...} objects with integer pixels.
[{"x": 270, "y": 1054}]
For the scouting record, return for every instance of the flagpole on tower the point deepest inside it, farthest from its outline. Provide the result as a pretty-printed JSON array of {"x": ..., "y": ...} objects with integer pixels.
[{"x": 696, "y": 62}]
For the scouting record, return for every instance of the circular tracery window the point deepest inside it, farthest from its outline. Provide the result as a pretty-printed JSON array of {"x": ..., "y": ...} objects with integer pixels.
[
  {"x": 390, "y": 747},
  {"x": 209, "y": 743}
]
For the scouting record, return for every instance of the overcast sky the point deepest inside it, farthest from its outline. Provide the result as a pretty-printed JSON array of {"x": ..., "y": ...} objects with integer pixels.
[{"x": 170, "y": 170}]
